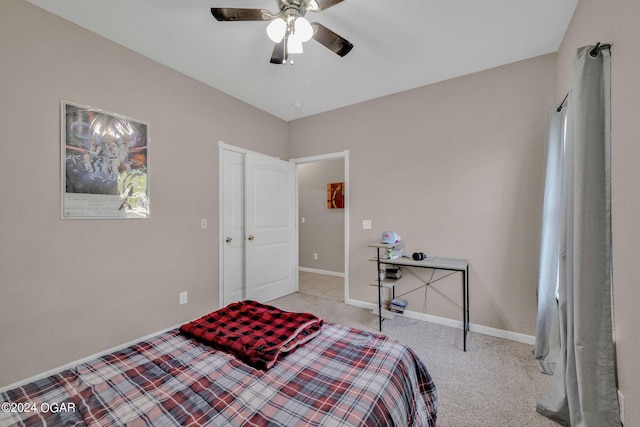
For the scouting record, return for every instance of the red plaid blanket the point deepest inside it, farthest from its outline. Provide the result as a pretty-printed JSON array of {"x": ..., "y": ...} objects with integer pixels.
[{"x": 256, "y": 333}]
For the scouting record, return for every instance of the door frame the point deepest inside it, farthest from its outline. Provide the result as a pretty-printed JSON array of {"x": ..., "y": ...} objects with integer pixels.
[
  {"x": 332, "y": 156},
  {"x": 221, "y": 147},
  {"x": 226, "y": 155}
]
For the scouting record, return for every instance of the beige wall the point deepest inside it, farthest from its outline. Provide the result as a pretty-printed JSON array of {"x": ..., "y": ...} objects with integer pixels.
[
  {"x": 616, "y": 22},
  {"x": 72, "y": 288},
  {"x": 323, "y": 229},
  {"x": 456, "y": 169}
]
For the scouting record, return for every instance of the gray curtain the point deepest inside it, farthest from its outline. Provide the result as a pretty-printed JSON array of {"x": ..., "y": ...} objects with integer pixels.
[
  {"x": 582, "y": 391},
  {"x": 547, "y": 344}
]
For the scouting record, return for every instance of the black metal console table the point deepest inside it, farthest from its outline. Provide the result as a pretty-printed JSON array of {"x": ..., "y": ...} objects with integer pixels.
[{"x": 436, "y": 263}]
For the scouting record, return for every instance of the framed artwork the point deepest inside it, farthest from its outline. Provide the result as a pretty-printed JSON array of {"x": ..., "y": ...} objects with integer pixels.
[
  {"x": 105, "y": 164},
  {"x": 335, "y": 195}
]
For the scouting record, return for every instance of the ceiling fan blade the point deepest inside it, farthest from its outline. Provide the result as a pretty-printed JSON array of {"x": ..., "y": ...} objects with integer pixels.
[
  {"x": 331, "y": 40},
  {"x": 326, "y": 4},
  {"x": 239, "y": 14},
  {"x": 279, "y": 55}
]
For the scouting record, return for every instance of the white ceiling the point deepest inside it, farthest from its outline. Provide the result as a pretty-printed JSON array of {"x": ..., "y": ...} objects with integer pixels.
[{"x": 399, "y": 44}]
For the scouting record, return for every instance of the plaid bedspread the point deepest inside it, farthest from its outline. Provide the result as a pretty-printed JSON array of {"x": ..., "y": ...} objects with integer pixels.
[
  {"x": 254, "y": 332},
  {"x": 343, "y": 377}
]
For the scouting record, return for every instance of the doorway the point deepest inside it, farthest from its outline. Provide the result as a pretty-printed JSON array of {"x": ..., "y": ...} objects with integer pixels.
[
  {"x": 323, "y": 243},
  {"x": 233, "y": 264}
]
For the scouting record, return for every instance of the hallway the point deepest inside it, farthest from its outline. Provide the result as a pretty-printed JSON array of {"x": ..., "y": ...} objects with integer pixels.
[{"x": 322, "y": 285}]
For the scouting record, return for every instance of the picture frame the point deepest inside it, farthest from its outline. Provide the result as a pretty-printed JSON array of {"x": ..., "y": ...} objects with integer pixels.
[
  {"x": 104, "y": 164},
  {"x": 335, "y": 195}
]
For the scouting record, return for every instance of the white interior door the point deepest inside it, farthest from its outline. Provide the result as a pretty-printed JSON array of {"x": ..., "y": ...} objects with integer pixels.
[
  {"x": 260, "y": 197},
  {"x": 271, "y": 254},
  {"x": 232, "y": 233}
]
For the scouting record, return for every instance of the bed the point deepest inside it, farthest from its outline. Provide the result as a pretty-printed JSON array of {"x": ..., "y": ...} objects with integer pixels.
[{"x": 339, "y": 377}]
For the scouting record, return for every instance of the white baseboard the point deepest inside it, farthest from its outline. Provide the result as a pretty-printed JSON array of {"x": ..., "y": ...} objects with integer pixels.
[
  {"x": 317, "y": 271},
  {"x": 486, "y": 330}
]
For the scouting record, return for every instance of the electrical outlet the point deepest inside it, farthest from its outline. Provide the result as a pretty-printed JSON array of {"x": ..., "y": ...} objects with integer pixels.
[
  {"x": 183, "y": 297},
  {"x": 621, "y": 403},
  {"x": 302, "y": 220},
  {"x": 366, "y": 224},
  {"x": 203, "y": 223},
  {"x": 315, "y": 256}
]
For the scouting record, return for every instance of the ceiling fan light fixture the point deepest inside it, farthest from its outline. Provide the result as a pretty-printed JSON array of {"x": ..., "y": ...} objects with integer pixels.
[
  {"x": 276, "y": 30},
  {"x": 294, "y": 44},
  {"x": 288, "y": 28},
  {"x": 303, "y": 29}
]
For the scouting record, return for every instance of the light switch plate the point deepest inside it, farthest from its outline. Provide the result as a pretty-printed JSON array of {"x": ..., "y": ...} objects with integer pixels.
[{"x": 366, "y": 224}]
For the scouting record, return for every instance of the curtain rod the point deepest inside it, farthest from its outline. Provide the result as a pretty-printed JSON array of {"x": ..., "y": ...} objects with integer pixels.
[
  {"x": 593, "y": 53},
  {"x": 597, "y": 48}
]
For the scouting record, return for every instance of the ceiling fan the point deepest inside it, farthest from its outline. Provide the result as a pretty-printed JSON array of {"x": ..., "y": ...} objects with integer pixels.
[{"x": 289, "y": 28}]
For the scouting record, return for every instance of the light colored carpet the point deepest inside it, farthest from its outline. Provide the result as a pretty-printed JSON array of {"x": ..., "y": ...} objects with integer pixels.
[{"x": 495, "y": 383}]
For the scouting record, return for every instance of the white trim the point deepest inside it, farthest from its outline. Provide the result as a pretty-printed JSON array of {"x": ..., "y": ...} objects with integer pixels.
[
  {"x": 318, "y": 271},
  {"x": 347, "y": 210},
  {"x": 221, "y": 147},
  {"x": 486, "y": 330},
  {"x": 501, "y": 333},
  {"x": 241, "y": 150},
  {"x": 328, "y": 156},
  {"x": 84, "y": 359},
  {"x": 296, "y": 230}
]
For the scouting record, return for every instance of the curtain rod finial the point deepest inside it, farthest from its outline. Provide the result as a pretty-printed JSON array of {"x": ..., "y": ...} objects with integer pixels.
[{"x": 597, "y": 48}]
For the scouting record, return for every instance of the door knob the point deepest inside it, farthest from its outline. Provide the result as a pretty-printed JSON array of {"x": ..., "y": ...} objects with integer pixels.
[
  {"x": 228, "y": 239},
  {"x": 251, "y": 237}
]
